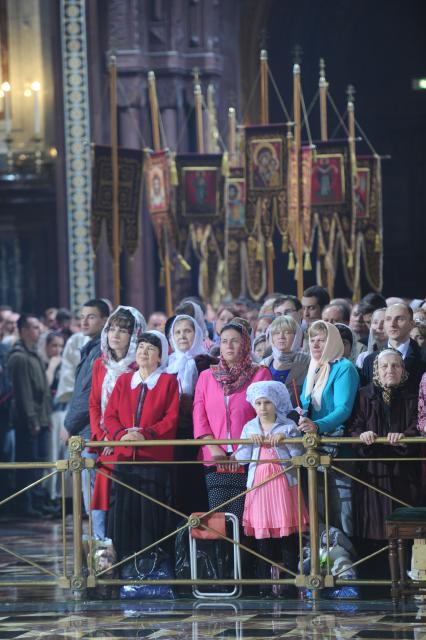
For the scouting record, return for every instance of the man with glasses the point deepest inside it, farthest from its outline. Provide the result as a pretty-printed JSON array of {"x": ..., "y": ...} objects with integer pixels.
[{"x": 288, "y": 305}]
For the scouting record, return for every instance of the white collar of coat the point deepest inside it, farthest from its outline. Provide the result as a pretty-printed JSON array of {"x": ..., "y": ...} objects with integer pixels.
[{"x": 151, "y": 380}]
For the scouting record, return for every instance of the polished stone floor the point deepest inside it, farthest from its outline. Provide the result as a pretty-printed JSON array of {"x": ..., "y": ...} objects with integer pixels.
[{"x": 49, "y": 612}]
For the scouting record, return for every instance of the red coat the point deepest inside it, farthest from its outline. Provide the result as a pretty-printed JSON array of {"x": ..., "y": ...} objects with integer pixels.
[
  {"x": 98, "y": 375},
  {"x": 158, "y": 421}
]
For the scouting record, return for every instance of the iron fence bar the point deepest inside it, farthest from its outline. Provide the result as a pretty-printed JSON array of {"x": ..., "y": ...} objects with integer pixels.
[
  {"x": 27, "y": 561},
  {"x": 364, "y": 559},
  {"x": 327, "y": 523},
  {"x": 299, "y": 514},
  {"x": 206, "y": 441},
  {"x": 64, "y": 527},
  {"x": 27, "y": 487},
  {"x": 370, "y": 486}
]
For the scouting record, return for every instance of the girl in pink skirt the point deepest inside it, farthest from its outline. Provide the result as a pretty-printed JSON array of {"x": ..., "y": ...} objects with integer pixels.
[{"x": 271, "y": 510}]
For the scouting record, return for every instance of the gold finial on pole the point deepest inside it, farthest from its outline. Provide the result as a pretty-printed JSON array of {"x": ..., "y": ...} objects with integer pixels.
[
  {"x": 232, "y": 136},
  {"x": 264, "y": 96},
  {"x": 323, "y": 88},
  {"x": 153, "y": 103},
  {"x": 198, "y": 99},
  {"x": 212, "y": 129},
  {"x": 115, "y": 183},
  {"x": 298, "y": 161}
]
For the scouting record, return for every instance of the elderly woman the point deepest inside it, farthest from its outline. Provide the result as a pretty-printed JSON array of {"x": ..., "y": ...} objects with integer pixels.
[
  {"x": 287, "y": 364},
  {"x": 224, "y": 314},
  {"x": 385, "y": 408},
  {"x": 118, "y": 347},
  {"x": 188, "y": 360},
  {"x": 221, "y": 410},
  {"x": 143, "y": 406},
  {"x": 327, "y": 399}
]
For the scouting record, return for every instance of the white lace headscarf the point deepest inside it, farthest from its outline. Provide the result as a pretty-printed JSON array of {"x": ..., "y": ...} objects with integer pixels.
[
  {"x": 114, "y": 368},
  {"x": 198, "y": 317},
  {"x": 276, "y": 392},
  {"x": 182, "y": 362}
]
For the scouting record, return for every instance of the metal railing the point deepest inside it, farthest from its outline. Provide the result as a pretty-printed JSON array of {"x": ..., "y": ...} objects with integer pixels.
[{"x": 79, "y": 578}]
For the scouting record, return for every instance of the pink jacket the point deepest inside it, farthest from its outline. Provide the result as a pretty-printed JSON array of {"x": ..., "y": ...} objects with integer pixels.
[{"x": 209, "y": 413}]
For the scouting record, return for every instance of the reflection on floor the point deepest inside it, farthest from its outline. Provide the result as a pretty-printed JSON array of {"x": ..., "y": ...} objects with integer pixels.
[{"x": 49, "y": 612}]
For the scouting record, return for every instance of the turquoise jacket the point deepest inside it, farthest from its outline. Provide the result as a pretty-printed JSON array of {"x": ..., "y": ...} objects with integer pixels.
[{"x": 338, "y": 397}]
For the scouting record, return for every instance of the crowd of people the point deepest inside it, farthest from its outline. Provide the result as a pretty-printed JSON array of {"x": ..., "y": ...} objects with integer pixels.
[{"x": 257, "y": 372}]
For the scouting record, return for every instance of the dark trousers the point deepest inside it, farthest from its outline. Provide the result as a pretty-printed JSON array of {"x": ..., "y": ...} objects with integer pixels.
[{"x": 30, "y": 448}]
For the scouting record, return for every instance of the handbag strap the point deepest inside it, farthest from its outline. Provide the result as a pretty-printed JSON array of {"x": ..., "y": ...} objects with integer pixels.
[{"x": 141, "y": 402}]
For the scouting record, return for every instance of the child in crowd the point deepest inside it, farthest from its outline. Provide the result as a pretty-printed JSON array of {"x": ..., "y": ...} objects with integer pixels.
[{"x": 271, "y": 510}]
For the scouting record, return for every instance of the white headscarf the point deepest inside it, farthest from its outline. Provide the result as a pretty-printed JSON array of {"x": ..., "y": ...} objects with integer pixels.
[
  {"x": 114, "y": 368},
  {"x": 182, "y": 362},
  {"x": 153, "y": 377},
  {"x": 198, "y": 317},
  {"x": 276, "y": 392},
  {"x": 319, "y": 370}
]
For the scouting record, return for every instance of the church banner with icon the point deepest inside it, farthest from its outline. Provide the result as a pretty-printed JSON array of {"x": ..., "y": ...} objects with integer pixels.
[
  {"x": 368, "y": 201},
  {"x": 266, "y": 178},
  {"x": 200, "y": 218}
]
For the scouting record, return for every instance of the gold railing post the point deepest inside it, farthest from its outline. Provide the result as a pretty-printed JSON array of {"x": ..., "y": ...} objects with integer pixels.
[
  {"x": 311, "y": 461},
  {"x": 77, "y": 464}
]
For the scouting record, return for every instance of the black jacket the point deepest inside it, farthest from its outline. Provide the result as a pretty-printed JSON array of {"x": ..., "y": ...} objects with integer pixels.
[
  {"x": 31, "y": 403},
  {"x": 414, "y": 361},
  {"x": 77, "y": 417}
]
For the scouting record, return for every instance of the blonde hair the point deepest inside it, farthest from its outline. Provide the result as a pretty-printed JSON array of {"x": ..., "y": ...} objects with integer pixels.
[
  {"x": 319, "y": 326},
  {"x": 283, "y": 323}
]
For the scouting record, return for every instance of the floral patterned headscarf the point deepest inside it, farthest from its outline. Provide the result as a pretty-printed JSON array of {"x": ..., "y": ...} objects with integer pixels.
[{"x": 234, "y": 378}]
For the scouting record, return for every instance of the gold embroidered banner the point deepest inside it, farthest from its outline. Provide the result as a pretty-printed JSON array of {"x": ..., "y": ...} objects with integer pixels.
[{"x": 130, "y": 162}]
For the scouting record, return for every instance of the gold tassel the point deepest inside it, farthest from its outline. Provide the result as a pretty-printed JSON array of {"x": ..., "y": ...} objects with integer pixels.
[
  {"x": 162, "y": 281},
  {"x": 350, "y": 261},
  {"x": 259, "y": 251},
  {"x": 321, "y": 247},
  {"x": 284, "y": 243},
  {"x": 377, "y": 244},
  {"x": 270, "y": 248},
  {"x": 225, "y": 165},
  {"x": 174, "y": 181},
  {"x": 307, "y": 265},
  {"x": 290, "y": 266},
  {"x": 183, "y": 263}
]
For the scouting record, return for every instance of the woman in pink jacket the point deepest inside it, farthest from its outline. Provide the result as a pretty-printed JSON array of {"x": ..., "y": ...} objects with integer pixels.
[{"x": 221, "y": 411}]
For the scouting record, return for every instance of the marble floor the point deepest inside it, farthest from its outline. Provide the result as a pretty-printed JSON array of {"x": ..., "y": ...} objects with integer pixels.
[{"x": 49, "y": 612}]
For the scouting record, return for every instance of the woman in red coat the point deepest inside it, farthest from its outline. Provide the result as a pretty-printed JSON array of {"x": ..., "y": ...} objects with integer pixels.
[
  {"x": 143, "y": 406},
  {"x": 119, "y": 340}
]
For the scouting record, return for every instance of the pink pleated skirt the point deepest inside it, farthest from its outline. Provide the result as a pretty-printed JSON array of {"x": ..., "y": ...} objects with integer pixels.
[{"x": 270, "y": 511}]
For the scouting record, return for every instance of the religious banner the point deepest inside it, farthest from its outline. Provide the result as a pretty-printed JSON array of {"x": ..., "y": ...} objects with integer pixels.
[
  {"x": 331, "y": 206},
  {"x": 289, "y": 230},
  {"x": 130, "y": 163},
  {"x": 368, "y": 202},
  {"x": 266, "y": 176},
  {"x": 235, "y": 235},
  {"x": 200, "y": 217}
]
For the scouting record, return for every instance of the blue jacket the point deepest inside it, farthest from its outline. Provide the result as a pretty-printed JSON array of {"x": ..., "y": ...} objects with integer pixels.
[
  {"x": 77, "y": 417},
  {"x": 285, "y": 451},
  {"x": 338, "y": 397}
]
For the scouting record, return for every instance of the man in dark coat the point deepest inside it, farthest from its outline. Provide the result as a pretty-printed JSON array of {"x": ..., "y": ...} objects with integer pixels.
[
  {"x": 94, "y": 315},
  {"x": 398, "y": 323},
  {"x": 30, "y": 408}
]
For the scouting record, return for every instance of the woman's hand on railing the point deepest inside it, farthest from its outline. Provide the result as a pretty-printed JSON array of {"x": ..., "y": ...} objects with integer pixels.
[
  {"x": 307, "y": 426},
  {"x": 132, "y": 435},
  {"x": 107, "y": 451},
  {"x": 368, "y": 437},
  {"x": 394, "y": 438},
  {"x": 257, "y": 439}
]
